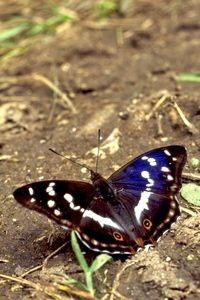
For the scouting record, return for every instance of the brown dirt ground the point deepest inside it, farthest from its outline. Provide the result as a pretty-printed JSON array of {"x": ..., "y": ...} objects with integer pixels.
[{"x": 113, "y": 74}]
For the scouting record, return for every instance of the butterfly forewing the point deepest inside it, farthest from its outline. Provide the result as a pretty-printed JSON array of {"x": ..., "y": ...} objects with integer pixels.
[
  {"x": 158, "y": 170},
  {"x": 62, "y": 201}
]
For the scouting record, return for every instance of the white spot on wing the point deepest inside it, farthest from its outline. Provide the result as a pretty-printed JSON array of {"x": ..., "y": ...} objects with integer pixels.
[
  {"x": 150, "y": 182},
  {"x": 167, "y": 152},
  {"x": 31, "y": 191},
  {"x": 101, "y": 220},
  {"x": 152, "y": 161},
  {"x": 144, "y": 157},
  {"x": 142, "y": 204},
  {"x": 50, "y": 191},
  {"x": 32, "y": 200},
  {"x": 51, "y": 203},
  {"x": 74, "y": 207},
  {"x": 68, "y": 197},
  {"x": 57, "y": 212},
  {"x": 94, "y": 242},
  {"x": 145, "y": 174},
  {"x": 165, "y": 169},
  {"x": 169, "y": 177}
]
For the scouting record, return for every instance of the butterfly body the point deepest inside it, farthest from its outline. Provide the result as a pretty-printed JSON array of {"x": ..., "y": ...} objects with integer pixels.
[{"x": 130, "y": 210}]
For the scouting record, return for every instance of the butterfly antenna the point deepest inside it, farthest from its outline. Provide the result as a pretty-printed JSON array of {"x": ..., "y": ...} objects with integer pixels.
[
  {"x": 98, "y": 149},
  {"x": 73, "y": 161}
]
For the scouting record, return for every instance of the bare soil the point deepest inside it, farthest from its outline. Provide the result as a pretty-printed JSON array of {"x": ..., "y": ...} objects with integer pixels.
[{"x": 113, "y": 74}]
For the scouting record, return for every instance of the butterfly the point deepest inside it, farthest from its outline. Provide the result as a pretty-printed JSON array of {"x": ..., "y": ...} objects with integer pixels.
[{"x": 128, "y": 211}]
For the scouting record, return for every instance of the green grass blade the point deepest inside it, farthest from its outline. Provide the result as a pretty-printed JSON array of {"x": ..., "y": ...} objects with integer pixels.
[
  {"x": 12, "y": 32},
  {"x": 81, "y": 259},
  {"x": 192, "y": 77},
  {"x": 77, "y": 250},
  {"x": 72, "y": 281},
  {"x": 99, "y": 261}
]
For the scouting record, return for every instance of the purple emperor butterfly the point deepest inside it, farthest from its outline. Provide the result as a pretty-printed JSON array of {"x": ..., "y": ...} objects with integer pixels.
[{"x": 119, "y": 215}]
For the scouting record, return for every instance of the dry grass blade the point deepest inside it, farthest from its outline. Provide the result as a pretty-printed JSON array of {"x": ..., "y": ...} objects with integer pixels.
[
  {"x": 159, "y": 103},
  {"x": 72, "y": 290},
  {"x": 189, "y": 125},
  {"x": 53, "y": 87},
  {"x": 188, "y": 211},
  {"x": 166, "y": 96},
  {"x": 7, "y": 157},
  {"x": 53, "y": 253},
  {"x": 31, "y": 270},
  {"x": 191, "y": 176},
  {"x": 116, "y": 282},
  {"x": 47, "y": 289}
]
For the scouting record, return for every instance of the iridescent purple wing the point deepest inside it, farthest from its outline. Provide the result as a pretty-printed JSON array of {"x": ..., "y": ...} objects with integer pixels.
[{"x": 158, "y": 171}]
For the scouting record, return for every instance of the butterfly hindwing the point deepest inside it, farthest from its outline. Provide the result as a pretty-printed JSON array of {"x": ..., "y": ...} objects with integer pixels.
[
  {"x": 107, "y": 228},
  {"x": 125, "y": 226}
]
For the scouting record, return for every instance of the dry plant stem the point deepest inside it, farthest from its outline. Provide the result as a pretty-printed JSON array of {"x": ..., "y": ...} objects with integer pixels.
[
  {"x": 31, "y": 270},
  {"x": 169, "y": 97},
  {"x": 110, "y": 23},
  {"x": 52, "y": 254},
  {"x": 45, "y": 261},
  {"x": 159, "y": 103},
  {"x": 52, "y": 110},
  {"x": 159, "y": 125},
  {"x": 189, "y": 125},
  {"x": 46, "y": 289},
  {"x": 7, "y": 157},
  {"x": 188, "y": 211},
  {"x": 191, "y": 176},
  {"x": 119, "y": 296},
  {"x": 117, "y": 279},
  {"x": 56, "y": 90},
  {"x": 2, "y": 260},
  {"x": 70, "y": 289}
]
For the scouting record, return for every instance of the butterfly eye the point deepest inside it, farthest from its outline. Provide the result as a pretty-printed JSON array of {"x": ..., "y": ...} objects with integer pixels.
[
  {"x": 118, "y": 236},
  {"x": 147, "y": 224}
]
